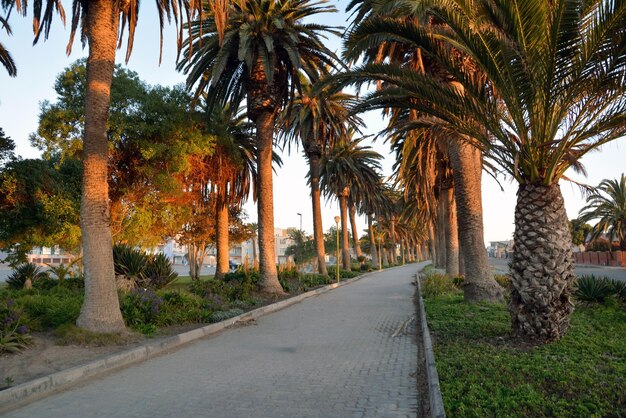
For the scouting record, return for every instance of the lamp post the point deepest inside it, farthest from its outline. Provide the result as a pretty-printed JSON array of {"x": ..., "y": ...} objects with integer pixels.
[
  {"x": 337, "y": 262},
  {"x": 300, "y": 215}
]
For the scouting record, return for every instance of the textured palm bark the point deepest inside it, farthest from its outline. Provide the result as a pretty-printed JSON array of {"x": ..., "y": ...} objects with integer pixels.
[
  {"x": 432, "y": 245},
  {"x": 370, "y": 230},
  {"x": 393, "y": 254},
  {"x": 265, "y": 205},
  {"x": 440, "y": 231},
  {"x": 345, "y": 239},
  {"x": 314, "y": 155},
  {"x": 221, "y": 238},
  {"x": 451, "y": 233},
  {"x": 466, "y": 162},
  {"x": 355, "y": 231},
  {"x": 100, "y": 311},
  {"x": 402, "y": 252},
  {"x": 542, "y": 269}
]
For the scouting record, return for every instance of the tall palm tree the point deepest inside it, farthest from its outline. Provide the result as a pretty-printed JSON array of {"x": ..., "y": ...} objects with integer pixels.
[
  {"x": 318, "y": 120},
  {"x": 5, "y": 58},
  {"x": 554, "y": 92},
  {"x": 265, "y": 48},
  {"x": 347, "y": 165},
  {"x": 232, "y": 171},
  {"x": 99, "y": 24},
  {"x": 608, "y": 205},
  {"x": 464, "y": 160}
]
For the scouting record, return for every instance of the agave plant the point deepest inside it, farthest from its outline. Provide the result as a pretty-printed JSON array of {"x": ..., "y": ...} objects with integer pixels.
[
  {"x": 159, "y": 272},
  {"x": 14, "y": 335},
  {"x": 24, "y": 275},
  {"x": 130, "y": 263},
  {"x": 592, "y": 289}
]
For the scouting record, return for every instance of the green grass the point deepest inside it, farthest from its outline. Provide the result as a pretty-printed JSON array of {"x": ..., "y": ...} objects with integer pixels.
[
  {"x": 484, "y": 372},
  {"x": 183, "y": 282}
]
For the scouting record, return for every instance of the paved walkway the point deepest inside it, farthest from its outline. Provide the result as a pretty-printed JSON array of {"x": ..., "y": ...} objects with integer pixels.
[{"x": 342, "y": 354}]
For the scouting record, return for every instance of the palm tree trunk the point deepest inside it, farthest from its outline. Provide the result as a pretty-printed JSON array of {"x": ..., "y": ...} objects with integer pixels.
[
  {"x": 402, "y": 251},
  {"x": 221, "y": 238},
  {"x": 394, "y": 258},
  {"x": 432, "y": 245},
  {"x": 355, "y": 231},
  {"x": 268, "y": 275},
  {"x": 440, "y": 229},
  {"x": 345, "y": 244},
  {"x": 466, "y": 162},
  {"x": 318, "y": 231},
  {"x": 542, "y": 269},
  {"x": 451, "y": 232},
  {"x": 100, "y": 311},
  {"x": 370, "y": 230}
]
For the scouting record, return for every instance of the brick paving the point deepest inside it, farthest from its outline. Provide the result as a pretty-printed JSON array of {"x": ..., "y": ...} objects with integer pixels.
[{"x": 350, "y": 352}]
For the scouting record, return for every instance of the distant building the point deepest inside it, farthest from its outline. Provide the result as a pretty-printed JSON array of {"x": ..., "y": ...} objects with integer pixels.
[{"x": 500, "y": 249}]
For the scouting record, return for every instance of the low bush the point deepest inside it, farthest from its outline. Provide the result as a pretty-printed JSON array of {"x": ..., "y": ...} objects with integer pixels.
[
  {"x": 311, "y": 280},
  {"x": 14, "y": 334},
  {"x": 180, "y": 308},
  {"x": 49, "y": 310},
  {"x": 140, "y": 309},
  {"x": 503, "y": 280},
  {"x": 288, "y": 272},
  {"x": 159, "y": 271}
]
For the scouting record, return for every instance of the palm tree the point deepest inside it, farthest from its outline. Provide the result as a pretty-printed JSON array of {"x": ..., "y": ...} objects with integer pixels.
[
  {"x": 98, "y": 22},
  {"x": 554, "y": 92},
  {"x": 5, "y": 58},
  {"x": 265, "y": 49},
  {"x": 464, "y": 160},
  {"x": 232, "y": 169},
  {"x": 348, "y": 165},
  {"x": 318, "y": 120},
  {"x": 608, "y": 205}
]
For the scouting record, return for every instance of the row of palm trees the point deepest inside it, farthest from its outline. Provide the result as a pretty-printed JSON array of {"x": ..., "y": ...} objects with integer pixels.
[{"x": 526, "y": 87}]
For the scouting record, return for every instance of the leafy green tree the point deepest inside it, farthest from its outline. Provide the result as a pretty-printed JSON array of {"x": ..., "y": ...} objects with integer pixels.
[
  {"x": 151, "y": 131},
  {"x": 579, "y": 230},
  {"x": 98, "y": 22},
  {"x": 608, "y": 206},
  {"x": 265, "y": 48},
  {"x": 552, "y": 91},
  {"x": 39, "y": 206},
  {"x": 303, "y": 248},
  {"x": 7, "y": 147}
]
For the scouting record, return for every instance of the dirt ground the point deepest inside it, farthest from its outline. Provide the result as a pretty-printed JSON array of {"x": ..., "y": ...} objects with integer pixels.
[{"x": 45, "y": 356}]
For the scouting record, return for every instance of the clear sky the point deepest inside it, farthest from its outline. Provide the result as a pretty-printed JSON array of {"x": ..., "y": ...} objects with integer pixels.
[{"x": 39, "y": 65}]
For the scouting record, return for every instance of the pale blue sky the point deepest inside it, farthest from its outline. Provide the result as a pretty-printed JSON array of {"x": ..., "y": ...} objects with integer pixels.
[{"x": 39, "y": 65}]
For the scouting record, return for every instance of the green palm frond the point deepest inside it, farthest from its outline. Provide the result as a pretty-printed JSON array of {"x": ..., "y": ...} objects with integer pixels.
[
  {"x": 5, "y": 58},
  {"x": 608, "y": 206}
]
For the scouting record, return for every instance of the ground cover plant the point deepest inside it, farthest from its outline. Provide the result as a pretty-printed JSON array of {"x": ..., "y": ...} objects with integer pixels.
[{"x": 484, "y": 371}]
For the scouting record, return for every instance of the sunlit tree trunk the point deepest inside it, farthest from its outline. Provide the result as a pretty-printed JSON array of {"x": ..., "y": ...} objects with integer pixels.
[
  {"x": 221, "y": 238},
  {"x": 373, "y": 243},
  {"x": 345, "y": 239},
  {"x": 451, "y": 232},
  {"x": 313, "y": 155},
  {"x": 265, "y": 205},
  {"x": 542, "y": 269},
  {"x": 393, "y": 255},
  {"x": 100, "y": 311},
  {"x": 440, "y": 229},
  {"x": 466, "y": 162},
  {"x": 355, "y": 231}
]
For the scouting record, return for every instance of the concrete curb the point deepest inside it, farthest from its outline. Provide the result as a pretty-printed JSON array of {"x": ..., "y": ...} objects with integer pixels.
[
  {"x": 435, "y": 400},
  {"x": 27, "y": 392}
]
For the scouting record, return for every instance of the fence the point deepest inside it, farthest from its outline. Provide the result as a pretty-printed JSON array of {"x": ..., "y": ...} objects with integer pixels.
[{"x": 601, "y": 258}]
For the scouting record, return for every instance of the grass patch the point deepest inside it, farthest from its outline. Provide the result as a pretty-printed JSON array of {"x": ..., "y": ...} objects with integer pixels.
[
  {"x": 70, "y": 334},
  {"x": 485, "y": 372}
]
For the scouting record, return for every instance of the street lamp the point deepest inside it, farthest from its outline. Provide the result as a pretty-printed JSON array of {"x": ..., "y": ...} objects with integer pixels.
[
  {"x": 337, "y": 262},
  {"x": 300, "y": 215}
]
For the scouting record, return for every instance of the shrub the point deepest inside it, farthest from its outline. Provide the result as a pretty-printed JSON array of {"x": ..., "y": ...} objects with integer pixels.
[
  {"x": 14, "y": 335},
  {"x": 503, "y": 280},
  {"x": 140, "y": 309},
  {"x": 458, "y": 281},
  {"x": 218, "y": 316},
  {"x": 52, "y": 309},
  {"x": 207, "y": 289},
  {"x": 592, "y": 289},
  {"x": 23, "y": 272},
  {"x": 436, "y": 284},
  {"x": 158, "y": 271},
  {"x": 45, "y": 283},
  {"x": 287, "y": 271},
  {"x": 619, "y": 289},
  {"x": 599, "y": 244},
  {"x": 308, "y": 281},
  {"x": 180, "y": 308}
]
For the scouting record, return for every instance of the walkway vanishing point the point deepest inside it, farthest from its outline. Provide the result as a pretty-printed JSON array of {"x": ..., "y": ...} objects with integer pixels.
[{"x": 350, "y": 352}]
